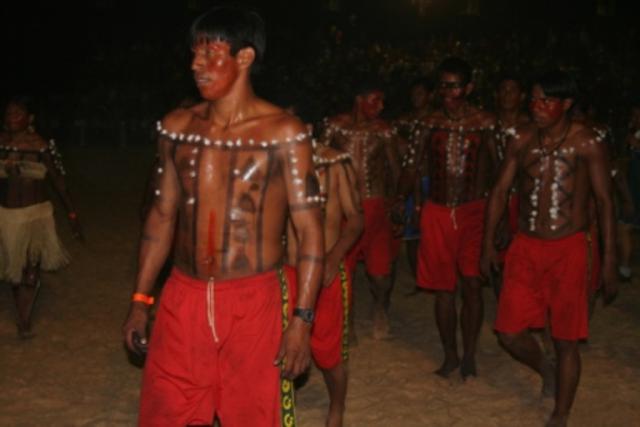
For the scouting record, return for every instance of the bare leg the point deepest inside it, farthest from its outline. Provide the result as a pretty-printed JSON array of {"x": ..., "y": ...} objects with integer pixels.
[
  {"x": 624, "y": 240},
  {"x": 471, "y": 322},
  {"x": 567, "y": 378},
  {"x": 412, "y": 254},
  {"x": 381, "y": 287},
  {"x": 336, "y": 381},
  {"x": 526, "y": 349},
  {"x": 446, "y": 319},
  {"x": 25, "y": 295}
]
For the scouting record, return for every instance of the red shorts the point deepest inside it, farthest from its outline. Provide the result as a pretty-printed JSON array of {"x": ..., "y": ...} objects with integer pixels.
[
  {"x": 189, "y": 377},
  {"x": 375, "y": 246},
  {"x": 450, "y": 242},
  {"x": 329, "y": 336},
  {"x": 545, "y": 278}
]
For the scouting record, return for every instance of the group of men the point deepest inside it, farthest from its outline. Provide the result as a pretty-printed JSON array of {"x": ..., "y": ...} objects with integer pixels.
[
  {"x": 266, "y": 225},
  {"x": 242, "y": 312}
]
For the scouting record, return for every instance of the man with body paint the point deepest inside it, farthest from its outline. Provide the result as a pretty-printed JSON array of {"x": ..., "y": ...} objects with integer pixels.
[
  {"x": 457, "y": 143},
  {"x": 557, "y": 164},
  {"x": 510, "y": 97},
  {"x": 231, "y": 169},
  {"x": 372, "y": 145},
  {"x": 343, "y": 224}
]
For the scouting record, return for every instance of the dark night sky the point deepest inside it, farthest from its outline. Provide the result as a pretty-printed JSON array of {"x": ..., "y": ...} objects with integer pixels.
[{"x": 65, "y": 48}]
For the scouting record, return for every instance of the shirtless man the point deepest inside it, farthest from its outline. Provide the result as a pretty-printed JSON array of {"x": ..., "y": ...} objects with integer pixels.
[
  {"x": 230, "y": 169},
  {"x": 557, "y": 164},
  {"x": 372, "y": 145},
  {"x": 28, "y": 239},
  {"x": 421, "y": 95},
  {"x": 458, "y": 144},
  {"x": 510, "y": 97},
  {"x": 343, "y": 224}
]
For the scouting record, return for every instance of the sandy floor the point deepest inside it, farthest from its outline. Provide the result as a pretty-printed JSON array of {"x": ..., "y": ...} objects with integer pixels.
[{"x": 76, "y": 372}]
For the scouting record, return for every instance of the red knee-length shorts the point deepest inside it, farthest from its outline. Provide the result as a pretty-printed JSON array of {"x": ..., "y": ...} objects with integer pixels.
[
  {"x": 376, "y": 245},
  {"x": 329, "y": 336},
  {"x": 545, "y": 279},
  {"x": 189, "y": 377},
  {"x": 450, "y": 242}
]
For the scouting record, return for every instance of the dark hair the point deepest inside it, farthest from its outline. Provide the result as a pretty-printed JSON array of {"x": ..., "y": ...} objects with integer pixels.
[
  {"x": 235, "y": 24},
  {"x": 23, "y": 101},
  {"x": 425, "y": 82},
  {"x": 366, "y": 85},
  {"x": 509, "y": 75},
  {"x": 457, "y": 66},
  {"x": 557, "y": 84}
]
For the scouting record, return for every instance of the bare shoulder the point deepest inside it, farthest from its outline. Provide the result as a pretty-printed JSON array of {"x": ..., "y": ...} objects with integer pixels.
[
  {"x": 523, "y": 134},
  {"x": 585, "y": 138},
  {"x": 435, "y": 118},
  {"x": 330, "y": 154},
  {"x": 486, "y": 119},
  {"x": 340, "y": 120},
  {"x": 179, "y": 120},
  {"x": 381, "y": 125}
]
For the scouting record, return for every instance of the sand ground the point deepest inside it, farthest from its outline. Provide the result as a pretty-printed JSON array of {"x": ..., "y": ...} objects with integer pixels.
[{"x": 75, "y": 372}]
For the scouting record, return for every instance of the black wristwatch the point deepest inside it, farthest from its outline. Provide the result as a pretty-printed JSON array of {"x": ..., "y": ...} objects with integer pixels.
[{"x": 305, "y": 314}]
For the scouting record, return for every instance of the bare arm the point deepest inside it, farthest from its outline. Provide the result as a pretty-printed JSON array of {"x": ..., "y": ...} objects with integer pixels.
[
  {"x": 350, "y": 204},
  {"x": 156, "y": 241},
  {"x": 597, "y": 159},
  {"x": 496, "y": 205},
  {"x": 303, "y": 191}
]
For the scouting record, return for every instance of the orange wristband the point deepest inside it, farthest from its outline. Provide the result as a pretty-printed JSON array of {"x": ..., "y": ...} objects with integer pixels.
[{"x": 145, "y": 299}]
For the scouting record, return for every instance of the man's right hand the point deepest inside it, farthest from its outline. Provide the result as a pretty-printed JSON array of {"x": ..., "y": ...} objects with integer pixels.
[
  {"x": 489, "y": 261},
  {"x": 136, "y": 323}
]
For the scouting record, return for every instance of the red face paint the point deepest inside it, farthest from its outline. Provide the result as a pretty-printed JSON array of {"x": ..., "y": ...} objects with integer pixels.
[
  {"x": 545, "y": 111},
  {"x": 372, "y": 104},
  {"x": 16, "y": 118},
  {"x": 214, "y": 69}
]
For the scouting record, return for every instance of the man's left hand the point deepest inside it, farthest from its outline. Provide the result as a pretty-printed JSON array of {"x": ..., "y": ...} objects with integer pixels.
[{"x": 295, "y": 354}]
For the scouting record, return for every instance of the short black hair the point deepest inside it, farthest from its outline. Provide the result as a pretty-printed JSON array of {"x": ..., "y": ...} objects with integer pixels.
[
  {"x": 425, "y": 82},
  {"x": 509, "y": 75},
  {"x": 24, "y": 101},
  {"x": 235, "y": 24},
  {"x": 367, "y": 84},
  {"x": 457, "y": 66},
  {"x": 557, "y": 84}
]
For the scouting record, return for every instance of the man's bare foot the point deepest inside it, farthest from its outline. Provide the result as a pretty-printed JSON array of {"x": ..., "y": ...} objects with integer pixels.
[
  {"x": 468, "y": 368},
  {"x": 548, "y": 373},
  {"x": 447, "y": 368},
  {"x": 381, "y": 329},
  {"x": 557, "y": 421},
  {"x": 334, "y": 419}
]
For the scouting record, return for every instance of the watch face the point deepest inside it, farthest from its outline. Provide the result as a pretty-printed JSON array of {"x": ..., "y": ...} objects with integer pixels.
[{"x": 304, "y": 314}]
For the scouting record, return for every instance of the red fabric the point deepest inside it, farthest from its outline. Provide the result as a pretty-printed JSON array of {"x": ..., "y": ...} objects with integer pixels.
[
  {"x": 450, "y": 241},
  {"x": 375, "y": 246},
  {"x": 327, "y": 332},
  {"x": 545, "y": 278},
  {"x": 188, "y": 377}
]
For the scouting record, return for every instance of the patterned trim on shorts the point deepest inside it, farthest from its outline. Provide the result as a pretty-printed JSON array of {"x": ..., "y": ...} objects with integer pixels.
[
  {"x": 287, "y": 402},
  {"x": 344, "y": 282}
]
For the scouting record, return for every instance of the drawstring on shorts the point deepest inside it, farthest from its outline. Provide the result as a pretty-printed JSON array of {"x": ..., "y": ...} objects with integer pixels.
[
  {"x": 211, "y": 313},
  {"x": 453, "y": 218}
]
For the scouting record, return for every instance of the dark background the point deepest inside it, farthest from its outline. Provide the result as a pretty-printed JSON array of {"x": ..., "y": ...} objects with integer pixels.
[{"x": 98, "y": 63}]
